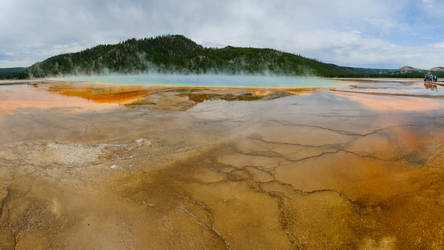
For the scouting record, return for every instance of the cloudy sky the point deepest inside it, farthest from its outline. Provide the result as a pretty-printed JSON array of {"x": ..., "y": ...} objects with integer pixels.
[{"x": 365, "y": 33}]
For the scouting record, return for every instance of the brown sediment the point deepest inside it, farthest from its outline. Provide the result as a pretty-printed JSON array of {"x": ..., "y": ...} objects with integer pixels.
[
  {"x": 200, "y": 97},
  {"x": 333, "y": 199},
  {"x": 187, "y": 98}
]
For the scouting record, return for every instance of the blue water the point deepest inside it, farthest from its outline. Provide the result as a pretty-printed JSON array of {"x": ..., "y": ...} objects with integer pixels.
[{"x": 209, "y": 80}]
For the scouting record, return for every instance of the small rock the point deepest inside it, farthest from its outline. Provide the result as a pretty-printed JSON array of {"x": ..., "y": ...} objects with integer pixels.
[
  {"x": 144, "y": 141},
  {"x": 115, "y": 167}
]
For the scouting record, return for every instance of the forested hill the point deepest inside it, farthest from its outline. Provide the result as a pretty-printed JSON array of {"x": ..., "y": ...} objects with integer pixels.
[
  {"x": 11, "y": 72},
  {"x": 178, "y": 54}
]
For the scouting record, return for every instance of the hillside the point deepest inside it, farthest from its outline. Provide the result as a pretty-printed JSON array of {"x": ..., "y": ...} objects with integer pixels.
[
  {"x": 11, "y": 73},
  {"x": 437, "y": 69},
  {"x": 178, "y": 54}
]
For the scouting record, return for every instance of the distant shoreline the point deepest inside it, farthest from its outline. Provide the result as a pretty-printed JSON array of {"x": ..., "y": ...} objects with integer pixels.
[
  {"x": 341, "y": 82},
  {"x": 20, "y": 82}
]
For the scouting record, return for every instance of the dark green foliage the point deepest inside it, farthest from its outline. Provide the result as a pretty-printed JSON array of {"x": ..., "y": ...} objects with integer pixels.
[
  {"x": 178, "y": 54},
  {"x": 12, "y": 73}
]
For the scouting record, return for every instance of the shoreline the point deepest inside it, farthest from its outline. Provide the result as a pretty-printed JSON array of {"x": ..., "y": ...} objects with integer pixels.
[
  {"x": 340, "y": 83},
  {"x": 20, "y": 82}
]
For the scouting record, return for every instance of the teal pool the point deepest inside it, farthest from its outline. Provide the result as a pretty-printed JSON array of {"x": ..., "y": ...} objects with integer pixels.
[{"x": 210, "y": 80}]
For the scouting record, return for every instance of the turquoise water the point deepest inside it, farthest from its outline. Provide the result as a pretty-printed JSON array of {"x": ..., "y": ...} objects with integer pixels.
[{"x": 210, "y": 80}]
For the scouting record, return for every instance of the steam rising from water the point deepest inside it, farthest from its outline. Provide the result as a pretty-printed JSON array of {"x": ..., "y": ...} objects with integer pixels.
[{"x": 213, "y": 80}]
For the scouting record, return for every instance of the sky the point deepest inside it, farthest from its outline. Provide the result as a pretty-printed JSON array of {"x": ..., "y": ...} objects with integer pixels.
[{"x": 359, "y": 33}]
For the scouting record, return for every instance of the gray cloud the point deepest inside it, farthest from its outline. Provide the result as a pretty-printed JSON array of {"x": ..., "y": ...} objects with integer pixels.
[{"x": 359, "y": 33}]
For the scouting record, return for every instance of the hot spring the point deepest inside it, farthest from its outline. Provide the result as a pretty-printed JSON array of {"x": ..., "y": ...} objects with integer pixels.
[{"x": 212, "y": 80}]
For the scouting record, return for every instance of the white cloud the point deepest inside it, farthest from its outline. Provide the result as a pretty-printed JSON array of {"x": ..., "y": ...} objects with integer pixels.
[
  {"x": 439, "y": 45},
  {"x": 348, "y": 32}
]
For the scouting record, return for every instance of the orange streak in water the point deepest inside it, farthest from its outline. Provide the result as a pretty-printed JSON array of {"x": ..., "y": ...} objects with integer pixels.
[
  {"x": 391, "y": 103},
  {"x": 99, "y": 94},
  {"x": 24, "y": 96}
]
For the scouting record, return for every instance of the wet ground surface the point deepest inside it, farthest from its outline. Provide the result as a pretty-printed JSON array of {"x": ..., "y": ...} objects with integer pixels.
[
  {"x": 108, "y": 167},
  {"x": 403, "y": 87}
]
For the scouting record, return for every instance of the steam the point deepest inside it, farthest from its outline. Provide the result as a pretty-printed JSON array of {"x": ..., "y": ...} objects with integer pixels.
[
  {"x": 138, "y": 68},
  {"x": 141, "y": 63},
  {"x": 210, "y": 80}
]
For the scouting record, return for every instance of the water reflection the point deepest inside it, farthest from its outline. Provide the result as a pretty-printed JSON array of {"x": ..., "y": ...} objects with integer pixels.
[
  {"x": 431, "y": 86},
  {"x": 401, "y": 88}
]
